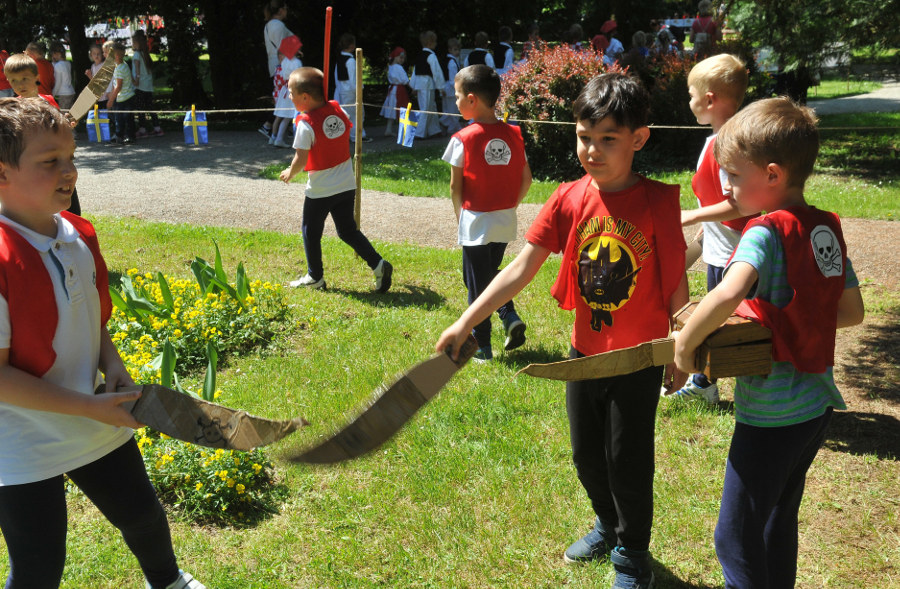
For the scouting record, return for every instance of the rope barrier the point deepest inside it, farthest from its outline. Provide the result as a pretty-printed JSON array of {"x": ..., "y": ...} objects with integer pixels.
[{"x": 428, "y": 112}]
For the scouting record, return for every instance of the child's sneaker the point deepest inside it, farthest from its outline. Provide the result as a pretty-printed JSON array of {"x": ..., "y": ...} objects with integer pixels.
[
  {"x": 483, "y": 354},
  {"x": 515, "y": 331},
  {"x": 383, "y": 272},
  {"x": 308, "y": 282},
  {"x": 595, "y": 545},
  {"x": 632, "y": 569},
  {"x": 265, "y": 131},
  {"x": 184, "y": 581},
  {"x": 278, "y": 143},
  {"x": 698, "y": 386}
]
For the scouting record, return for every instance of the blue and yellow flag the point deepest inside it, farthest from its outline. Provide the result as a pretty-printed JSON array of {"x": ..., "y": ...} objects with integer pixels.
[
  {"x": 408, "y": 123},
  {"x": 195, "y": 129}
]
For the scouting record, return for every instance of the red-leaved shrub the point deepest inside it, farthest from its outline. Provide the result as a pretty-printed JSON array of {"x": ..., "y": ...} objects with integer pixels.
[{"x": 543, "y": 88}]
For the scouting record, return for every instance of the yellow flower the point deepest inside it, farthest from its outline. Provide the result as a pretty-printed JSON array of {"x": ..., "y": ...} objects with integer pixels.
[
  {"x": 217, "y": 394},
  {"x": 230, "y": 482},
  {"x": 256, "y": 468},
  {"x": 198, "y": 486},
  {"x": 240, "y": 489}
]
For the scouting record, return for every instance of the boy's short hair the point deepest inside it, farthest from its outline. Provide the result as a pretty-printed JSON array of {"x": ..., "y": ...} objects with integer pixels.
[
  {"x": 481, "y": 39},
  {"x": 482, "y": 81},
  {"x": 505, "y": 34},
  {"x": 615, "y": 95},
  {"x": 428, "y": 37},
  {"x": 35, "y": 47},
  {"x": 308, "y": 80},
  {"x": 774, "y": 130},
  {"x": 20, "y": 118},
  {"x": 346, "y": 40},
  {"x": 452, "y": 43},
  {"x": 724, "y": 75},
  {"x": 117, "y": 49},
  {"x": 19, "y": 62}
]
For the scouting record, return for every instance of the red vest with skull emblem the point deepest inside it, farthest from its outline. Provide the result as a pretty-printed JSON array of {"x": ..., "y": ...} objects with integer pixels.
[
  {"x": 492, "y": 171},
  {"x": 803, "y": 332},
  {"x": 329, "y": 148}
]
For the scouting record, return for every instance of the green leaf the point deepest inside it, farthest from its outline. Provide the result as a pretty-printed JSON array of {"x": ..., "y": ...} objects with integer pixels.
[
  {"x": 220, "y": 271},
  {"x": 118, "y": 301},
  {"x": 167, "y": 365},
  {"x": 198, "y": 267},
  {"x": 209, "y": 383},
  {"x": 241, "y": 282},
  {"x": 165, "y": 291}
]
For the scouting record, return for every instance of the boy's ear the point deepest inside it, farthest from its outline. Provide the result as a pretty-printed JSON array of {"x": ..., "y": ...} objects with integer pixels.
[
  {"x": 640, "y": 135},
  {"x": 4, "y": 176},
  {"x": 775, "y": 174}
]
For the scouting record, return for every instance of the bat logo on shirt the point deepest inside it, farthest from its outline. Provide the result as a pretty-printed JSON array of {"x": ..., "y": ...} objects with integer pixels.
[{"x": 607, "y": 275}]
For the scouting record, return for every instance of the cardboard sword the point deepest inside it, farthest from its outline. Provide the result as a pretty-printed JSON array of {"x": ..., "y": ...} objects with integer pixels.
[
  {"x": 94, "y": 90},
  {"x": 388, "y": 410}
]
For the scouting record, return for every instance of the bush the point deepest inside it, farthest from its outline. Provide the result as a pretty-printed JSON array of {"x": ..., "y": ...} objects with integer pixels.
[{"x": 544, "y": 88}]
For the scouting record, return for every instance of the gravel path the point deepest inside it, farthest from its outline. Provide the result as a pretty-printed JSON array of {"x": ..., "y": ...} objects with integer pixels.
[{"x": 161, "y": 179}]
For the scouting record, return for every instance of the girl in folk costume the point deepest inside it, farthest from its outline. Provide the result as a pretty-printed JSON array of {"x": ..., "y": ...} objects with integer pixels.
[
  {"x": 398, "y": 96},
  {"x": 284, "y": 108}
]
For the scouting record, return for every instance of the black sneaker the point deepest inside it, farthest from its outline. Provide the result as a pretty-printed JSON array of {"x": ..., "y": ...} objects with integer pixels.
[
  {"x": 383, "y": 272},
  {"x": 593, "y": 546},
  {"x": 515, "y": 331}
]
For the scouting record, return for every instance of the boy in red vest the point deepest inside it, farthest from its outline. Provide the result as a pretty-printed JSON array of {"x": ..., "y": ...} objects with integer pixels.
[
  {"x": 716, "y": 86},
  {"x": 322, "y": 144},
  {"x": 622, "y": 272},
  {"x": 489, "y": 177},
  {"x": 791, "y": 272},
  {"x": 54, "y": 305}
]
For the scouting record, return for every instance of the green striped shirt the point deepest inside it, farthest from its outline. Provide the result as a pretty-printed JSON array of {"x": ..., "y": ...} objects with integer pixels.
[{"x": 785, "y": 396}]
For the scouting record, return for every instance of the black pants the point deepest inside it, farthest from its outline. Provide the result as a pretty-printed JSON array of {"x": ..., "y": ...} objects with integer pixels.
[
  {"x": 611, "y": 424},
  {"x": 124, "y": 121},
  {"x": 340, "y": 207},
  {"x": 481, "y": 263},
  {"x": 756, "y": 535},
  {"x": 144, "y": 101},
  {"x": 33, "y": 520}
]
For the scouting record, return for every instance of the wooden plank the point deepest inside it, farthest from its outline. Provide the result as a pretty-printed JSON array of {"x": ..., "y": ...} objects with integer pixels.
[
  {"x": 737, "y": 360},
  {"x": 736, "y": 330}
]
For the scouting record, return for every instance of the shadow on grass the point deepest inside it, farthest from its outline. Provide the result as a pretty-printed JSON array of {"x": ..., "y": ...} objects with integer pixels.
[
  {"x": 529, "y": 354},
  {"x": 875, "y": 365},
  {"x": 665, "y": 578},
  {"x": 400, "y": 295},
  {"x": 864, "y": 433}
]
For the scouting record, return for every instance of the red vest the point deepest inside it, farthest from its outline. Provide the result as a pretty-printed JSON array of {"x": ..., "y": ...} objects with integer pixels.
[
  {"x": 28, "y": 290},
  {"x": 708, "y": 186},
  {"x": 492, "y": 173},
  {"x": 332, "y": 143},
  {"x": 623, "y": 258},
  {"x": 803, "y": 332}
]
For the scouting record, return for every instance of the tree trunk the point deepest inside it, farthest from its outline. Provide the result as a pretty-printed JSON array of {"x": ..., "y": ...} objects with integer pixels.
[
  {"x": 182, "y": 52},
  {"x": 73, "y": 17}
]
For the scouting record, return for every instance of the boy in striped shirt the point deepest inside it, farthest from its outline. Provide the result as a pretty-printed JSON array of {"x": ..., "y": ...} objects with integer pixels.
[{"x": 790, "y": 271}]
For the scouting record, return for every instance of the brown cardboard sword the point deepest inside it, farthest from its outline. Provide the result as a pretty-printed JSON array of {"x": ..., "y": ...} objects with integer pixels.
[
  {"x": 193, "y": 420},
  {"x": 739, "y": 347},
  {"x": 94, "y": 90},
  {"x": 388, "y": 410}
]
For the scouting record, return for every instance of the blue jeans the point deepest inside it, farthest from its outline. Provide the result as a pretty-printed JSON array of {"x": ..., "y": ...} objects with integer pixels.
[
  {"x": 33, "y": 520},
  {"x": 756, "y": 535},
  {"x": 340, "y": 207}
]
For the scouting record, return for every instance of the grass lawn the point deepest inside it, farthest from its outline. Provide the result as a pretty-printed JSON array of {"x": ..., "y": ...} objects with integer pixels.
[
  {"x": 855, "y": 174},
  {"x": 478, "y": 490},
  {"x": 836, "y": 88}
]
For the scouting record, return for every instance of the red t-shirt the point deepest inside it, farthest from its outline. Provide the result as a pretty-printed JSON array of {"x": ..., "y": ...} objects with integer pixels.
[
  {"x": 623, "y": 258},
  {"x": 4, "y": 83},
  {"x": 46, "y": 75}
]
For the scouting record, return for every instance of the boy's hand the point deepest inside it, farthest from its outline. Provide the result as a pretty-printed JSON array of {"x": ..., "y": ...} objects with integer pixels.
[
  {"x": 110, "y": 103},
  {"x": 685, "y": 360},
  {"x": 673, "y": 379},
  {"x": 285, "y": 175},
  {"x": 452, "y": 338},
  {"x": 107, "y": 408}
]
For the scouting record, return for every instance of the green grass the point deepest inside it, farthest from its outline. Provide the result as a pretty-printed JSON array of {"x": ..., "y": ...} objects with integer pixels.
[
  {"x": 478, "y": 490},
  {"x": 836, "y": 88}
]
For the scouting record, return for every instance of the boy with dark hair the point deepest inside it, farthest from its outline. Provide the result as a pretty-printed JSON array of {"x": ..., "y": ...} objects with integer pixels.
[
  {"x": 623, "y": 273},
  {"x": 791, "y": 272},
  {"x": 489, "y": 177},
  {"x": 322, "y": 147},
  {"x": 480, "y": 55},
  {"x": 504, "y": 56}
]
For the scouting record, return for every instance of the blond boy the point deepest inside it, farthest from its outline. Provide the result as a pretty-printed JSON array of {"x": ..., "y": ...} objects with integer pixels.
[
  {"x": 716, "y": 86},
  {"x": 790, "y": 271}
]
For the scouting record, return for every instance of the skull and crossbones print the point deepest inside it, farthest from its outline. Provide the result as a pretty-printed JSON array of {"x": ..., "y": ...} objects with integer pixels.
[
  {"x": 827, "y": 251},
  {"x": 497, "y": 152},
  {"x": 333, "y": 126}
]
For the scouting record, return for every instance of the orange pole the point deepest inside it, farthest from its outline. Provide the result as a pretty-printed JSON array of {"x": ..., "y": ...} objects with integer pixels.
[{"x": 327, "y": 47}]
